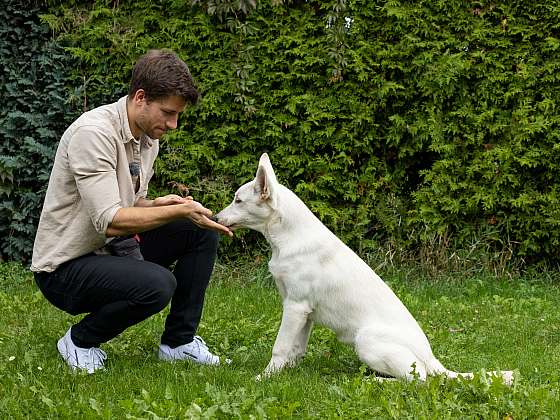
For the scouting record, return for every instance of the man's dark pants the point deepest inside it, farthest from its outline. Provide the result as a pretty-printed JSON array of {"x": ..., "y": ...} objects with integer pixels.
[{"x": 118, "y": 292}]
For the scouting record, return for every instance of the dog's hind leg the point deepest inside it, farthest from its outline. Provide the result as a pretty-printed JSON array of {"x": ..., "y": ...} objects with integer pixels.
[
  {"x": 392, "y": 359},
  {"x": 384, "y": 354}
]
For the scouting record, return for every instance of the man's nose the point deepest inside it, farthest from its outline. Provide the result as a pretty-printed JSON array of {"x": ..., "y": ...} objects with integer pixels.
[{"x": 172, "y": 123}]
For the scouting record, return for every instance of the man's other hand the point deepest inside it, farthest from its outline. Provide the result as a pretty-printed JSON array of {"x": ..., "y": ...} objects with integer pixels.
[{"x": 170, "y": 199}]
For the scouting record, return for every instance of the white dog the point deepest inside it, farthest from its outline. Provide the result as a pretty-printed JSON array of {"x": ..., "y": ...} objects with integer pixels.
[{"x": 321, "y": 280}]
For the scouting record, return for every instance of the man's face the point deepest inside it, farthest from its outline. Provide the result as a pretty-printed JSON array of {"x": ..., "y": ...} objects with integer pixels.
[{"x": 155, "y": 117}]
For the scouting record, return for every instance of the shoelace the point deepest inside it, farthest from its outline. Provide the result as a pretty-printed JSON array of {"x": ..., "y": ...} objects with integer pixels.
[
  {"x": 200, "y": 341},
  {"x": 96, "y": 356},
  {"x": 208, "y": 355}
]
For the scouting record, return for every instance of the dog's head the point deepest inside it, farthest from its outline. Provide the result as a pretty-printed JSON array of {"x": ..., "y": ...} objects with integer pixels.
[{"x": 254, "y": 202}]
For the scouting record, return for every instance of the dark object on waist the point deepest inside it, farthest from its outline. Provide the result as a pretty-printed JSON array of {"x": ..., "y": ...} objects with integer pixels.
[
  {"x": 126, "y": 246},
  {"x": 134, "y": 169}
]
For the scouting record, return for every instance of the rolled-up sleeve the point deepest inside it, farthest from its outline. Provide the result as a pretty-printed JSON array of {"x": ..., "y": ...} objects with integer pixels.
[{"x": 92, "y": 157}]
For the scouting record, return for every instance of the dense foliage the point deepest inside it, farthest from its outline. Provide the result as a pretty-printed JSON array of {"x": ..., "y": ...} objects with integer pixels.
[
  {"x": 35, "y": 111},
  {"x": 420, "y": 126}
]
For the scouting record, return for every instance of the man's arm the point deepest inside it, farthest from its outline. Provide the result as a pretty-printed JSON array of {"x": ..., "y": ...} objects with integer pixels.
[
  {"x": 144, "y": 202},
  {"x": 147, "y": 215}
]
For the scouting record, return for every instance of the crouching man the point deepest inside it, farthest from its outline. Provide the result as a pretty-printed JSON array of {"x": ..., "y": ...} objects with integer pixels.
[{"x": 104, "y": 249}]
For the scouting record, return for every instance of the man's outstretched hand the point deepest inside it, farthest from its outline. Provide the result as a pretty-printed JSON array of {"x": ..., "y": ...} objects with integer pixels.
[
  {"x": 204, "y": 221},
  {"x": 201, "y": 216},
  {"x": 196, "y": 212}
]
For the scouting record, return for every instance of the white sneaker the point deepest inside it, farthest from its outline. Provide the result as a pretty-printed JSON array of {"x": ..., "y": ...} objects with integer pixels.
[
  {"x": 196, "y": 351},
  {"x": 90, "y": 360}
]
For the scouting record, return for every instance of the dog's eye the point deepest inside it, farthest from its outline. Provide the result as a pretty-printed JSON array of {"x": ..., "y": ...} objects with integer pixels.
[{"x": 237, "y": 201}]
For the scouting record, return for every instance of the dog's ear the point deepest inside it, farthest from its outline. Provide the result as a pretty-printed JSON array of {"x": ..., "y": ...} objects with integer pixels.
[{"x": 265, "y": 180}]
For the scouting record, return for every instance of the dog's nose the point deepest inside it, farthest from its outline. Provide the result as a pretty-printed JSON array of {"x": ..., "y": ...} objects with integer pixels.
[{"x": 218, "y": 218}]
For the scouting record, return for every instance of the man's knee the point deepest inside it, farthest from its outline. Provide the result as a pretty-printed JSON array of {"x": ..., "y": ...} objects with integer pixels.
[
  {"x": 159, "y": 284},
  {"x": 211, "y": 239}
]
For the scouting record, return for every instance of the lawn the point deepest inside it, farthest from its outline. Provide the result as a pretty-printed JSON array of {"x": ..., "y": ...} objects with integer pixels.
[{"x": 473, "y": 321}]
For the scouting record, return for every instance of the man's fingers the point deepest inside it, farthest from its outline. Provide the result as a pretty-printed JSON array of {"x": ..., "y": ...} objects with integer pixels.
[
  {"x": 203, "y": 218},
  {"x": 197, "y": 208},
  {"x": 223, "y": 230},
  {"x": 219, "y": 228},
  {"x": 206, "y": 223}
]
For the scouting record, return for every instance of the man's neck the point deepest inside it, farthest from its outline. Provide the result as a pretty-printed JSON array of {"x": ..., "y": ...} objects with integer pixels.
[{"x": 131, "y": 116}]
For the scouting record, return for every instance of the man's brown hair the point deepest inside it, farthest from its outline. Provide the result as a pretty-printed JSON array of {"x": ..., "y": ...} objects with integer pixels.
[{"x": 161, "y": 73}]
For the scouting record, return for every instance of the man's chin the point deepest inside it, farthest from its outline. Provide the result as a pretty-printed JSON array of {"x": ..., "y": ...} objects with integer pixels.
[{"x": 156, "y": 134}]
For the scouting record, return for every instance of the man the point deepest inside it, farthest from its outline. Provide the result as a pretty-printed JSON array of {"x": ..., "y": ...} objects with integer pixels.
[{"x": 102, "y": 247}]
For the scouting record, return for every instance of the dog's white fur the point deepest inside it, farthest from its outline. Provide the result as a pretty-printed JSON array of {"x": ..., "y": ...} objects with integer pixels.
[{"x": 321, "y": 280}]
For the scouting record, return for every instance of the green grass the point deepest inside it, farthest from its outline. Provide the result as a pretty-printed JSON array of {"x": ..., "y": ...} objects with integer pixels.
[{"x": 473, "y": 322}]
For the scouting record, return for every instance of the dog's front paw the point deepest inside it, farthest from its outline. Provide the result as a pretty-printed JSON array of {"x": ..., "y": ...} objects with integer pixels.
[
  {"x": 508, "y": 377},
  {"x": 264, "y": 375}
]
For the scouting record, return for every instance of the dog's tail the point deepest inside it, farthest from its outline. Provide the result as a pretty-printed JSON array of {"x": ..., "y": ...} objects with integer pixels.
[{"x": 436, "y": 368}]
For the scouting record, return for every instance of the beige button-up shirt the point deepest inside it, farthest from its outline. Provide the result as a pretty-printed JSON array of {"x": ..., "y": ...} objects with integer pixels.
[{"x": 89, "y": 182}]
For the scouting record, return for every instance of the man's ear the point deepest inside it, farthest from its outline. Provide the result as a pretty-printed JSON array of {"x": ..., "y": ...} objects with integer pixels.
[
  {"x": 265, "y": 180},
  {"x": 139, "y": 96}
]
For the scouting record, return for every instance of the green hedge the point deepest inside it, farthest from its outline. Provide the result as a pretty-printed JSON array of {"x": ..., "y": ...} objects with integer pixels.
[
  {"x": 420, "y": 126},
  {"x": 36, "y": 107}
]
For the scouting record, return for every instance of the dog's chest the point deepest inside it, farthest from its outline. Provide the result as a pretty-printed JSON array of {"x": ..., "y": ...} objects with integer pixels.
[
  {"x": 291, "y": 281},
  {"x": 280, "y": 277}
]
